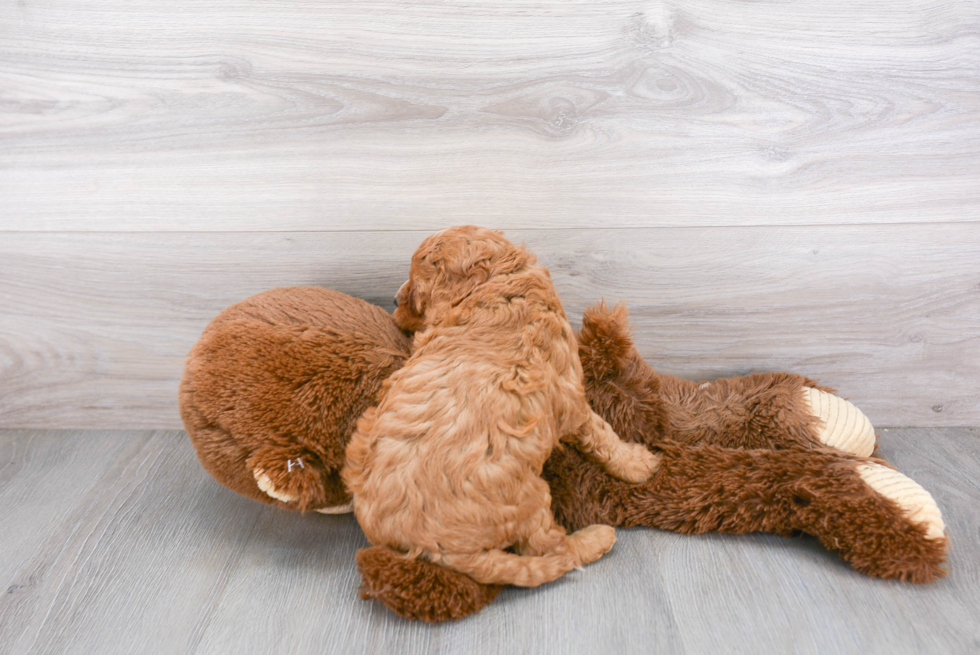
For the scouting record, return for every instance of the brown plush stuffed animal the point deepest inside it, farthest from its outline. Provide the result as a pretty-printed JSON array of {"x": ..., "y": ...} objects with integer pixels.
[{"x": 273, "y": 388}]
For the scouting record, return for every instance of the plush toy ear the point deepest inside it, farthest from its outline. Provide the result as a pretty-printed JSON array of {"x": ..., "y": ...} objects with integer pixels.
[
  {"x": 605, "y": 344},
  {"x": 620, "y": 386}
]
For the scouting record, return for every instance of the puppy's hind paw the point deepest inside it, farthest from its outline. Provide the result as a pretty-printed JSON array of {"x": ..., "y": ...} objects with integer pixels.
[
  {"x": 592, "y": 542},
  {"x": 336, "y": 509}
]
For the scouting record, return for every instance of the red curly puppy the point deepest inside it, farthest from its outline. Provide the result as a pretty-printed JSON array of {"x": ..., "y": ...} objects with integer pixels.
[{"x": 448, "y": 466}]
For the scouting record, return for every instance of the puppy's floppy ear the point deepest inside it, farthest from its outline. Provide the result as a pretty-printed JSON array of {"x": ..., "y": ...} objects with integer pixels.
[{"x": 415, "y": 300}]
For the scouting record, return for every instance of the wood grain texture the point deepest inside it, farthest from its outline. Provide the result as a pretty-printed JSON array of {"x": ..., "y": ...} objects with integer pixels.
[
  {"x": 41, "y": 477},
  {"x": 94, "y": 327},
  {"x": 740, "y": 593},
  {"x": 157, "y": 557},
  {"x": 308, "y": 116}
]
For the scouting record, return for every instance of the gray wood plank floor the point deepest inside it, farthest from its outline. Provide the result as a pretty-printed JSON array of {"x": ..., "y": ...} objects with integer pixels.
[{"x": 118, "y": 542}]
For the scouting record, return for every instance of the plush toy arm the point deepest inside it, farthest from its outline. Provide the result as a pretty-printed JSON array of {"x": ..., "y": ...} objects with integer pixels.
[
  {"x": 765, "y": 410},
  {"x": 296, "y": 476},
  {"x": 879, "y": 521}
]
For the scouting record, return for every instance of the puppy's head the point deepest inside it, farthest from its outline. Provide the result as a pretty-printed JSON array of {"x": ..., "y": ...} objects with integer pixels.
[{"x": 449, "y": 266}]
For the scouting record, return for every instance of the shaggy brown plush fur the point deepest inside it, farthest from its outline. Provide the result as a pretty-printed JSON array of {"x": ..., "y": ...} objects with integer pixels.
[
  {"x": 784, "y": 492},
  {"x": 448, "y": 466},
  {"x": 776, "y": 478},
  {"x": 282, "y": 377},
  {"x": 404, "y": 584}
]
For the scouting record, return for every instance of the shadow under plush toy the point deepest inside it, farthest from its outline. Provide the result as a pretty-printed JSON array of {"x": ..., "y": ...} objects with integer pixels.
[{"x": 273, "y": 389}]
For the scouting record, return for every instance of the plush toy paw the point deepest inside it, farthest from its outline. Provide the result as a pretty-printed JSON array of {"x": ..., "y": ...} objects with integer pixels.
[
  {"x": 266, "y": 486},
  {"x": 842, "y": 425},
  {"x": 917, "y": 504},
  {"x": 290, "y": 476}
]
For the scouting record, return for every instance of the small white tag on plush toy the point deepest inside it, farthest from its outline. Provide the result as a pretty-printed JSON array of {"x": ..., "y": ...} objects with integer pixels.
[{"x": 290, "y": 463}]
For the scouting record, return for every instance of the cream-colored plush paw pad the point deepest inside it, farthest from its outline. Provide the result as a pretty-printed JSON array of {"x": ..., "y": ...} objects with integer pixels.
[
  {"x": 266, "y": 486},
  {"x": 339, "y": 509},
  {"x": 842, "y": 425},
  {"x": 919, "y": 506}
]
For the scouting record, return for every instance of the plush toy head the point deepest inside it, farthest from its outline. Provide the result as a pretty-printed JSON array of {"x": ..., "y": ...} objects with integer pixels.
[{"x": 272, "y": 390}]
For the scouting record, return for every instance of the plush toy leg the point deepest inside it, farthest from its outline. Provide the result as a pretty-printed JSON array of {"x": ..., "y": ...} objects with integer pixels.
[
  {"x": 878, "y": 520},
  {"x": 916, "y": 503}
]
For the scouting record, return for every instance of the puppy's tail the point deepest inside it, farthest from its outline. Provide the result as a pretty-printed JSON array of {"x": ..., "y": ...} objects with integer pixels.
[{"x": 500, "y": 567}]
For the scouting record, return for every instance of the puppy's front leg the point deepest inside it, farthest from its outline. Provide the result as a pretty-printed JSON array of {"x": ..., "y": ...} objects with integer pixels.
[{"x": 627, "y": 461}]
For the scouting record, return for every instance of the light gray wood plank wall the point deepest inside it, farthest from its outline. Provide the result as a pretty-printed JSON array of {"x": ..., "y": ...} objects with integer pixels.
[
  {"x": 769, "y": 185},
  {"x": 94, "y": 327},
  {"x": 354, "y": 115},
  {"x": 149, "y": 554}
]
